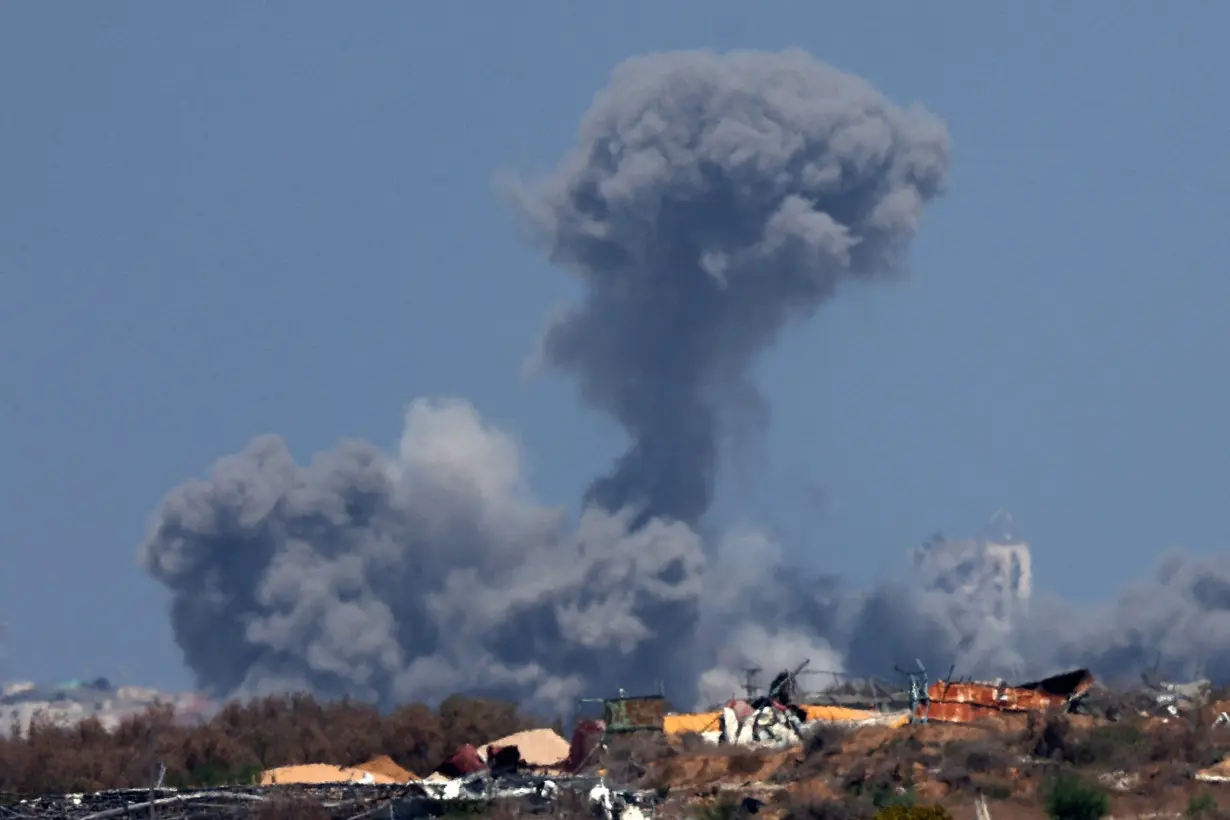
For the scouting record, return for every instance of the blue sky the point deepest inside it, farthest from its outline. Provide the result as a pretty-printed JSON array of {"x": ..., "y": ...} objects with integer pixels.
[{"x": 219, "y": 220}]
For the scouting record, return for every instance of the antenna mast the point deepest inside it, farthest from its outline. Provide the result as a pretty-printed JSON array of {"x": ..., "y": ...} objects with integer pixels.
[
  {"x": 749, "y": 680},
  {"x": 4, "y": 653}
]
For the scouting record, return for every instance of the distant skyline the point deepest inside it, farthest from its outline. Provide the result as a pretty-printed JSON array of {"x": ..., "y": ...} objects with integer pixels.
[{"x": 283, "y": 219}]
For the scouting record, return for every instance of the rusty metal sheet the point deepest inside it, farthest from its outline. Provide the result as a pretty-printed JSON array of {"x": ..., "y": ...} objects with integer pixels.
[
  {"x": 962, "y": 702},
  {"x": 956, "y": 712}
]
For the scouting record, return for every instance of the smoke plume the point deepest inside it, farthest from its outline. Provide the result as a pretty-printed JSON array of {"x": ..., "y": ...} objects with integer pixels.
[
  {"x": 708, "y": 202},
  {"x": 411, "y": 575}
]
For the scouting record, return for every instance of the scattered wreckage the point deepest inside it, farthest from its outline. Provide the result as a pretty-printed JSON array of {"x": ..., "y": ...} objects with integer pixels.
[
  {"x": 539, "y": 769},
  {"x": 344, "y": 800},
  {"x": 775, "y": 720}
]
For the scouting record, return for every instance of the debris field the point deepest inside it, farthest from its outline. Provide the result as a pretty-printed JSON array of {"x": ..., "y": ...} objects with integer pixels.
[{"x": 960, "y": 744}]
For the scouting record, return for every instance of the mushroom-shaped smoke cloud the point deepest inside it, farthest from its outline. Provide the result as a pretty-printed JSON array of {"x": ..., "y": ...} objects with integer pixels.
[{"x": 709, "y": 200}]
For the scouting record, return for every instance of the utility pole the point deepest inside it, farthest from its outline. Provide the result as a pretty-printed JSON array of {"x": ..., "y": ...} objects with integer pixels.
[
  {"x": 153, "y": 758},
  {"x": 749, "y": 681},
  {"x": 4, "y": 653}
]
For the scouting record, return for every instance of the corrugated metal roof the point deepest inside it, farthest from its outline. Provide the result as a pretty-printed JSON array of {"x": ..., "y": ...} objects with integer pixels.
[{"x": 963, "y": 702}]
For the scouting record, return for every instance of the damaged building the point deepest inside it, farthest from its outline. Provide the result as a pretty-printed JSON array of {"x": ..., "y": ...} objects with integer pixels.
[
  {"x": 994, "y": 572},
  {"x": 70, "y": 702}
]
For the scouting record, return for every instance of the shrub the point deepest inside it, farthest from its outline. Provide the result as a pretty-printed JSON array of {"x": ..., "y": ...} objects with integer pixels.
[
  {"x": 979, "y": 756},
  {"x": 1048, "y": 736},
  {"x": 961, "y": 759},
  {"x": 996, "y": 790},
  {"x": 849, "y": 809},
  {"x": 629, "y": 757},
  {"x": 1201, "y": 805},
  {"x": 1119, "y": 746},
  {"x": 725, "y": 807},
  {"x": 242, "y": 740},
  {"x": 824, "y": 739},
  {"x": 894, "y": 798},
  {"x": 955, "y": 775},
  {"x": 1071, "y": 798},
  {"x": 822, "y": 743},
  {"x": 883, "y": 783},
  {"x": 1181, "y": 744},
  {"x": 924, "y": 812}
]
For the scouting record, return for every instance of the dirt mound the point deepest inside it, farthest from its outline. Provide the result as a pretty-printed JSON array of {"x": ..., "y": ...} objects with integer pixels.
[
  {"x": 386, "y": 767},
  {"x": 312, "y": 773},
  {"x": 538, "y": 747}
]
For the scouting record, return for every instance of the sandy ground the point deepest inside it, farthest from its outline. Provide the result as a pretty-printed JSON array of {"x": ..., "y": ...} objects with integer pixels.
[{"x": 386, "y": 767}]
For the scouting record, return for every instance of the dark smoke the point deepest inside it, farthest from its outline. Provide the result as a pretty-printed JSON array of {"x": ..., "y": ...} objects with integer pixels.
[
  {"x": 407, "y": 576},
  {"x": 710, "y": 199}
]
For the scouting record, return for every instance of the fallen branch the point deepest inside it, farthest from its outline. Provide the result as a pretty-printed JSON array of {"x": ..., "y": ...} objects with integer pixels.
[{"x": 178, "y": 798}]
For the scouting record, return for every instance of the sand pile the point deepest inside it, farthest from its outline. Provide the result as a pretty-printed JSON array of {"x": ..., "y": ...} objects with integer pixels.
[
  {"x": 538, "y": 747},
  {"x": 385, "y": 766},
  {"x": 310, "y": 773},
  {"x": 1217, "y": 773}
]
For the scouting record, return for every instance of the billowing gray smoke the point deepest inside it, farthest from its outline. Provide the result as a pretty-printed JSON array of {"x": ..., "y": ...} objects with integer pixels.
[
  {"x": 1177, "y": 622},
  {"x": 710, "y": 200},
  {"x": 410, "y": 575}
]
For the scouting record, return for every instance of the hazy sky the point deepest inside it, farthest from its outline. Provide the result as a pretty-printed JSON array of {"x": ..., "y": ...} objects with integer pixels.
[{"x": 219, "y": 220}]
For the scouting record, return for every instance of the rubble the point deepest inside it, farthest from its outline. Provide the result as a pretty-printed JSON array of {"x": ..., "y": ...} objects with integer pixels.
[
  {"x": 1176, "y": 698},
  {"x": 400, "y": 802},
  {"x": 773, "y": 725}
]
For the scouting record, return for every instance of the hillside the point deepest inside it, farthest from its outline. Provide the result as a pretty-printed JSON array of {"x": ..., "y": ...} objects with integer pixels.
[{"x": 1139, "y": 765}]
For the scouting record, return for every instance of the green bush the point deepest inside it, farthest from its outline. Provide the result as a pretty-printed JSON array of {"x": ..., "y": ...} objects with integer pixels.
[
  {"x": 725, "y": 807},
  {"x": 1201, "y": 805},
  {"x": 923, "y": 812},
  {"x": 849, "y": 809},
  {"x": 997, "y": 790},
  {"x": 889, "y": 797},
  {"x": 1071, "y": 798}
]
